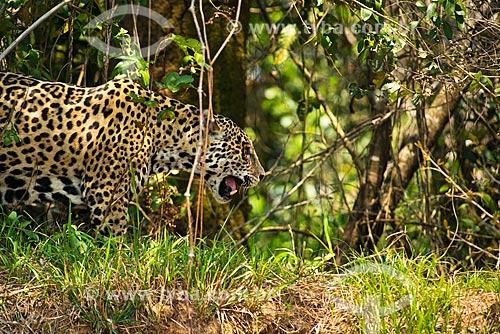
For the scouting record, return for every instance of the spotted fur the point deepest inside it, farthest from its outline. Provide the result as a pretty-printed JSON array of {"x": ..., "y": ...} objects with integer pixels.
[{"x": 83, "y": 145}]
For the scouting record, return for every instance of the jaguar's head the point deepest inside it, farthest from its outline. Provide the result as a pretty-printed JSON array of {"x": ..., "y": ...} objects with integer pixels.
[{"x": 231, "y": 161}]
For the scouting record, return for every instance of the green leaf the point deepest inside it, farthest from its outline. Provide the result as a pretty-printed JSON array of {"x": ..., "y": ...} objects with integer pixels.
[
  {"x": 432, "y": 11},
  {"x": 366, "y": 14},
  {"x": 413, "y": 25},
  {"x": 460, "y": 9},
  {"x": 487, "y": 201},
  {"x": 436, "y": 21},
  {"x": 469, "y": 223},
  {"x": 391, "y": 87},
  {"x": 444, "y": 188},
  {"x": 167, "y": 113},
  {"x": 356, "y": 91},
  {"x": 488, "y": 82},
  {"x": 343, "y": 12},
  {"x": 174, "y": 82},
  {"x": 363, "y": 55},
  {"x": 187, "y": 44},
  {"x": 180, "y": 41},
  {"x": 448, "y": 32},
  {"x": 433, "y": 35},
  {"x": 473, "y": 85},
  {"x": 287, "y": 36},
  {"x": 449, "y": 8},
  {"x": 327, "y": 43},
  {"x": 7, "y": 142},
  {"x": 280, "y": 56},
  {"x": 145, "y": 78},
  {"x": 460, "y": 13},
  {"x": 32, "y": 235},
  {"x": 478, "y": 76},
  {"x": 198, "y": 58},
  {"x": 12, "y": 216},
  {"x": 421, "y": 5},
  {"x": 497, "y": 92},
  {"x": 194, "y": 45},
  {"x": 136, "y": 98},
  {"x": 460, "y": 21}
]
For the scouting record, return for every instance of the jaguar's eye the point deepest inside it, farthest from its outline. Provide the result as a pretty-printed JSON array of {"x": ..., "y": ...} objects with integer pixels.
[{"x": 247, "y": 151}]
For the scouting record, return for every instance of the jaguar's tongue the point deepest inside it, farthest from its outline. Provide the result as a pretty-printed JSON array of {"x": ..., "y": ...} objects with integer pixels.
[{"x": 231, "y": 184}]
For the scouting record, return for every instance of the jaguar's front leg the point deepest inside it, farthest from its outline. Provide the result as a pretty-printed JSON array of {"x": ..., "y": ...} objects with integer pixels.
[{"x": 108, "y": 206}]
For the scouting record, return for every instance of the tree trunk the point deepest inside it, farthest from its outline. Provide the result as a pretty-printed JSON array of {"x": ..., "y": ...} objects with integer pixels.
[
  {"x": 364, "y": 229},
  {"x": 377, "y": 201},
  {"x": 229, "y": 73},
  {"x": 437, "y": 116},
  {"x": 229, "y": 70}
]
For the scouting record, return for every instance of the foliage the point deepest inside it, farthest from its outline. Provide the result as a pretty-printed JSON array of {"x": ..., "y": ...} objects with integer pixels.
[
  {"x": 175, "y": 82},
  {"x": 317, "y": 69}
]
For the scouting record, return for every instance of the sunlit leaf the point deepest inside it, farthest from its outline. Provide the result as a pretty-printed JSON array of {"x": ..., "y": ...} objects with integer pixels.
[
  {"x": 365, "y": 14},
  {"x": 391, "y": 87},
  {"x": 421, "y": 5},
  {"x": 432, "y": 10}
]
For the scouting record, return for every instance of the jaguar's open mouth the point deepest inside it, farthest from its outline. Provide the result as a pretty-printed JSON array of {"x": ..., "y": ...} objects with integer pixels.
[{"x": 229, "y": 186}]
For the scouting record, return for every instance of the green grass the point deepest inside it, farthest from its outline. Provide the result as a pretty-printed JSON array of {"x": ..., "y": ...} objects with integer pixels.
[
  {"x": 146, "y": 284},
  {"x": 432, "y": 293}
]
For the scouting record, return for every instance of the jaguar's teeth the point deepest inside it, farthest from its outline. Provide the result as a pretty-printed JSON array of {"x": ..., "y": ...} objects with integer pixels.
[{"x": 234, "y": 192}]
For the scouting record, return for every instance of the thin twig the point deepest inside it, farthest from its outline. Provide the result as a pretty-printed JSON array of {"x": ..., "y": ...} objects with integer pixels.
[
  {"x": 287, "y": 229},
  {"x": 465, "y": 194},
  {"x": 284, "y": 199},
  {"x": 333, "y": 119},
  {"x": 231, "y": 33},
  {"x": 199, "y": 148},
  {"x": 197, "y": 159}
]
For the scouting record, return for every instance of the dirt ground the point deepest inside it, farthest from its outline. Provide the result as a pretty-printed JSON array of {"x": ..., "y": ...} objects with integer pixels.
[{"x": 303, "y": 307}]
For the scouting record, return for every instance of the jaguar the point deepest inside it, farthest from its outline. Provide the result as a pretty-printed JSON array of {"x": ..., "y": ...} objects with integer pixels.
[{"x": 98, "y": 146}]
